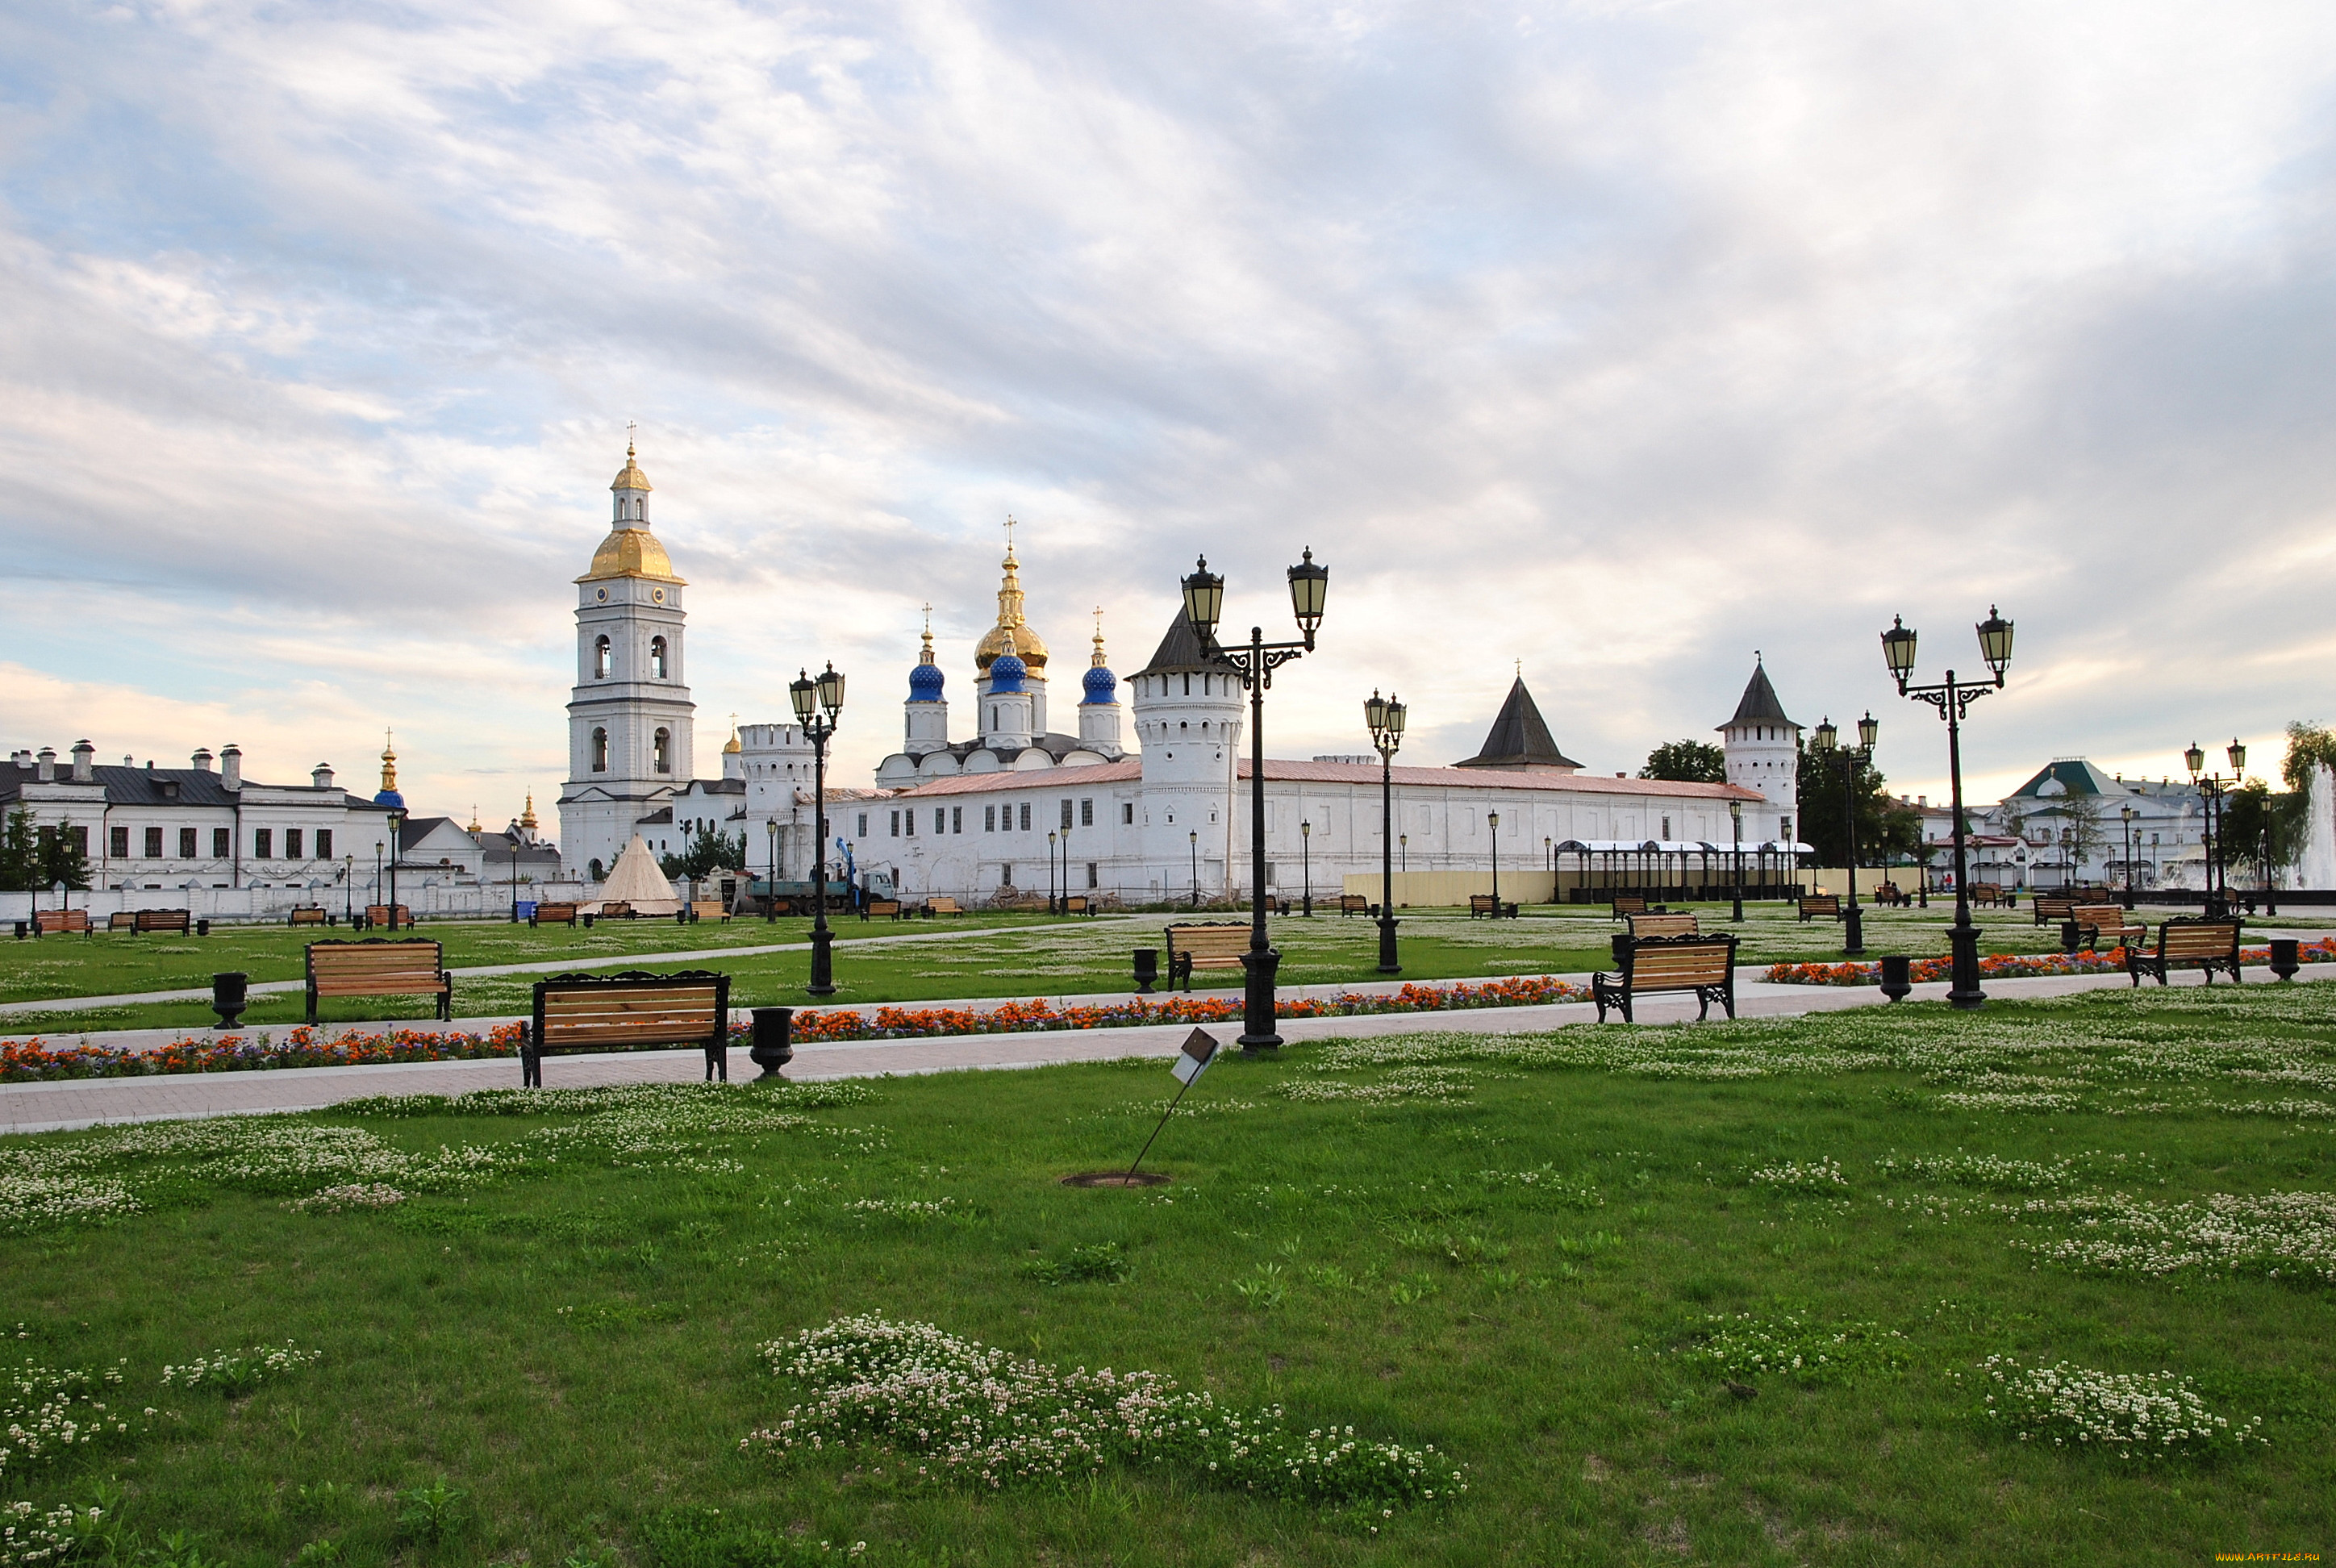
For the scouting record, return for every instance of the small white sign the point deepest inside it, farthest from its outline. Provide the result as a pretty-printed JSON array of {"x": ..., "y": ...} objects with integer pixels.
[{"x": 1194, "y": 1060}]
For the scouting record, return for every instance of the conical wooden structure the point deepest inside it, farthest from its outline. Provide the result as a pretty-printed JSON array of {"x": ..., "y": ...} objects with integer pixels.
[{"x": 636, "y": 881}]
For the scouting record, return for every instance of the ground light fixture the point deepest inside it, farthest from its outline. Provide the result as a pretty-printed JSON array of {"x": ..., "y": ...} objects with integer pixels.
[
  {"x": 1952, "y": 698},
  {"x": 1385, "y": 716},
  {"x": 817, "y": 703},
  {"x": 1253, "y": 665}
]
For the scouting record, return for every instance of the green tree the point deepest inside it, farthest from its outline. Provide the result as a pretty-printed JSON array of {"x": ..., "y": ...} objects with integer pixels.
[
  {"x": 2260, "y": 830},
  {"x": 2309, "y": 748},
  {"x": 1687, "y": 762},
  {"x": 20, "y": 854},
  {"x": 710, "y": 852},
  {"x": 1885, "y": 829},
  {"x": 62, "y": 857}
]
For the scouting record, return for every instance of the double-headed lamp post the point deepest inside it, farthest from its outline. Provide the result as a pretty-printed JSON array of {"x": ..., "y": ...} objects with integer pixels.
[
  {"x": 817, "y": 702},
  {"x": 1385, "y": 715},
  {"x": 1853, "y": 918},
  {"x": 1952, "y": 698},
  {"x": 1204, "y": 598},
  {"x": 2210, "y": 788},
  {"x": 1736, "y": 827},
  {"x": 2127, "y": 814}
]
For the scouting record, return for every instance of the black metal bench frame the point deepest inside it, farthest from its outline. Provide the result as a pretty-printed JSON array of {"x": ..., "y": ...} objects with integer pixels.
[
  {"x": 1618, "y": 991},
  {"x": 716, "y": 1044}
]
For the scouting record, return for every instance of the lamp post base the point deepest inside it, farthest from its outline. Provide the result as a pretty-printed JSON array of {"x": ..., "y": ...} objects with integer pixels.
[
  {"x": 1257, "y": 1033},
  {"x": 1964, "y": 992},
  {"x": 1390, "y": 962},
  {"x": 1853, "y": 922},
  {"x": 823, "y": 963}
]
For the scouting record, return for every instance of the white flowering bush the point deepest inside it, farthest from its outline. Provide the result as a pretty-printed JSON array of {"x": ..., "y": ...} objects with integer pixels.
[
  {"x": 49, "y": 1411},
  {"x": 1982, "y": 1170},
  {"x": 30, "y": 1533},
  {"x": 239, "y": 1371},
  {"x": 1793, "y": 1176},
  {"x": 913, "y": 1211},
  {"x": 38, "y": 1201},
  {"x": 1403, "y": 1087},
  {"x": 957, "y": 1411},
  {"x": 354, "y": 1195},
  {"x": 1744, "y": 1346},
  {"x": 2270, "y": 1234},
  {"x": 2125, "y": 1413}
]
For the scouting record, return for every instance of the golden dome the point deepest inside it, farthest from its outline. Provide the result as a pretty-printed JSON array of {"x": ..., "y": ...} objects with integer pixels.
[
  {"x": 1011, "y": 630},
  {"x": 631, "y": 476},
  {"x": 631, "y": 552},
  {"x": 731, "y": 747}
]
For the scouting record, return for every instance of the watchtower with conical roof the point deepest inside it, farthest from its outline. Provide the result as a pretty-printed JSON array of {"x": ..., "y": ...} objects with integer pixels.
[
  {"x": 1764, "y": 754},
  {"x": 1188, "y": 720}
]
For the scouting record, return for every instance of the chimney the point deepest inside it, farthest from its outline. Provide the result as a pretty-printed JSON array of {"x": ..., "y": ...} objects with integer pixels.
[
  {"x": 48, "y": 765},
  {"x": 84, "y": 757},
  {"x": 202, "y": 760},
  {"x": 231, "y": 766},
  {"x": 321, "y": 776}
]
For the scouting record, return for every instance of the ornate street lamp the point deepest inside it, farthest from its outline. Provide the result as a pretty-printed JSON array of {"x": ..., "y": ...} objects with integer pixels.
[
  {"x": 1386, "y": 717},
  {"x": 514, "y": 881},
  {"x": 1205, "y": 597},
  {"x": 1306, "y": 857},
  {"x": 1492, "y": 826},
  {"x": 1852, "y": 759},
  {"x": 1953, "y": 698},
  {"x": 2127, "y": 814},
  {"x": 2210, "y": 790},
  {"x": 817, "y": 703},
  {"x": 1195, "y": 838},
  {"x": 1735, "y": 823},
  {"x": 1403, "y": 847},
  {"x": 771, "y": 888},
  {"x": 349, "y": 890},
  {"x": 1051, "y": 837},
  {"x": 397, "y": 826},
  {"x": 376, "y": 868}
]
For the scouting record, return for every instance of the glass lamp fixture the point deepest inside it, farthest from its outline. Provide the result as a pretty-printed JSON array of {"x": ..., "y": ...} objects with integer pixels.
[
  {"x": 1310, "y": 585},
  {"x": 1204, "y": 599}
]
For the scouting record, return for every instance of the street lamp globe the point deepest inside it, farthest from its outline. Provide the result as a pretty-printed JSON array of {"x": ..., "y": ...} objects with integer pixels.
[
  {"x": 1995, "y": 643},
  {"x": 803, "y": 692},
  {"x": 1826, "y": 734},
  {"x": 1204, "y": 599},
  {"x": 1868, "y": 731},
  {"x": 1898, "y": 650},
  {"x": 1375, "y": 712},
  {"x": 830, "y": 690},
  {"x": 2195, "y": 757},
  {"x": 2238, "y": 755},
  {"x": 1396, "y": 714},
  {"x": 1310, "y": 585}
]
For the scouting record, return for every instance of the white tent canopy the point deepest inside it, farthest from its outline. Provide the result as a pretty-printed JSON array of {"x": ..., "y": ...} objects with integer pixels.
[{"x": 636, "y": 881}]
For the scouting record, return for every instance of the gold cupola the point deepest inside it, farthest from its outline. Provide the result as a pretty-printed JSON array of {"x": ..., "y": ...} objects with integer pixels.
[
  {"x": 1011, "y": 633},
  {"x": 631, "y": 550}
]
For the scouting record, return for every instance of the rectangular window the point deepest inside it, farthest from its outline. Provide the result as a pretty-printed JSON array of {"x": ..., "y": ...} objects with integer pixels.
[
  {"x": 909, "y": 823},
  {"x": 956, "y": 819},
  {"x": 1005, "y": 878},
  {"x": 941, "y": 819},
  {"x": 219, "y": 842},
  {"x": 896, "y": 824},
  {"x": 1091, "y": 873},
  {"x": 989, "y": 819},
  {"x": 263, "y": 843},
  {"x": 1067, "y": 814},
  {"x": 292, "y": 843},
  {"x": 153, "y": 843},
  {"x": 78, "y": 837},
  {"x": 864, "y": 824},
  {"x": 117, "y": 842},
  {"x": 323, "y": 844},
  {"x": 1026, "y": 816},
  {"x": 1087, "y": 814},
  {"x": 1127, "y": 813},
  {"x": 186, "y": 844},
  {"x": 1667, "y": 829}
]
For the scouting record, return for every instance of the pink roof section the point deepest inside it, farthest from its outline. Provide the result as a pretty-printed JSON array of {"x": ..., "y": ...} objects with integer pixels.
[{"x": 1343, "y": 773}]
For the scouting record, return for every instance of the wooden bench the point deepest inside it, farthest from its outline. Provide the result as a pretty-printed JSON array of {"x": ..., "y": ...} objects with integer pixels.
[
  {"x": 708, "y": 910},
  {"x": 628, "y": 1011},
  {"x": 1353, "y": 904},
  {"x": 2106, "y": 923},
  {"x": 1890, "y": 895},
  {"x": 1078, "y": 904},
  {"x": 1628, "y": 904},
  {"x": 1989, "y": 894},
  {"x": 553, "y": 915},
  {"x": 1487, "y": 905},
  {"x": 1218, "y": 945},
  {"x": 1644, "y": 926},
  {"x": 1704, "y": 965},
  {"x": 306, "y": 917},
  {"x": 379, "y": 967},
  {"x": 178, "y": 923},
  {"x": 378, "y": 915},
  {"x": 617, "y": 909},
  {"x": 2210, "y": 945},
  {"x": 60, "y": 922},
  {"x": 943, "y": 906},
  {"x": 1815, "y": 904},
  {"x": 888, "y": 909},
  {"x": 2051, "y": 911}
]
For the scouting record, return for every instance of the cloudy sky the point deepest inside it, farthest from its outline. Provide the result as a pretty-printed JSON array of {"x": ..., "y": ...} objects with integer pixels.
[{"x": 1620, "y": 339}]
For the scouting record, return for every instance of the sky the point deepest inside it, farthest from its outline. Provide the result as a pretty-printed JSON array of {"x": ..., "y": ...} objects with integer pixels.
[{"x": 1608, "y": 341}]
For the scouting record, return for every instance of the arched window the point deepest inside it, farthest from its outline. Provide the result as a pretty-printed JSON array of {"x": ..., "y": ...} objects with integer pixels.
[
  {"x": 595, "y": 868},
  {"x": 599, "y": 751},
  {"x": 657, "y": 658},
  {"x": 661, "y": 751},
  {"x": 600, "y": 658}
]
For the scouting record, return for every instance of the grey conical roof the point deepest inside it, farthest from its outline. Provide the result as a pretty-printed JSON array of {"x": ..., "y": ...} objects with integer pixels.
[
  {"x": 1759, "y": 705},
  {"x": 1519, "y": 738},
  {"x": 1179, "y": 651}
]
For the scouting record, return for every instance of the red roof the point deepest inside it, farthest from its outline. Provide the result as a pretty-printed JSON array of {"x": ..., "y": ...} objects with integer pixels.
[{"x": 1345, "y": 772}]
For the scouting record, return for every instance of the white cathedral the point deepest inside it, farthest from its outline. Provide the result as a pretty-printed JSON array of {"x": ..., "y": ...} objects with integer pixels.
[{"x": 1155, "y": 815}]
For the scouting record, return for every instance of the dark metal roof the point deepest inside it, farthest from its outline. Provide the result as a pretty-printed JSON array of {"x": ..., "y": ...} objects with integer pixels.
[
  {"x": 1759, "y": 705},
  {"x": 138, "y": 787},
  {"x": 1179, "y": 651},
  {"x": 1519, "y": 739}
]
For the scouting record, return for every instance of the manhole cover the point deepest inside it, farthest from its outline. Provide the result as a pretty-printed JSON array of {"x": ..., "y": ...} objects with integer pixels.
[{"x": 1115, "y": 1179}]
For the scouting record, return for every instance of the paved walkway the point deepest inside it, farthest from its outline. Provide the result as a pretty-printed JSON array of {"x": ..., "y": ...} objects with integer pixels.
[{"x": 49, "y": 1107}]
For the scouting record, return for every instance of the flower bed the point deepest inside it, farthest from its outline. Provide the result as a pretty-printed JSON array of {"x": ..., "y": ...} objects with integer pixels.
[
  {"x": 302, "y": 1047},
  {"x": 2009, "y": 966}
]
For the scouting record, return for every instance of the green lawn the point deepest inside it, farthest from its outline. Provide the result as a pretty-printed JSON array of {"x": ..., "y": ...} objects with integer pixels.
[
  {"x": 1002, "y": 956},
  {"x": 1511, "y": 1249}
]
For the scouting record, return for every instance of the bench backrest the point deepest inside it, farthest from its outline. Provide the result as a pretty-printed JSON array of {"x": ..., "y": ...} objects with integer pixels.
[
  {"x": 612, "y": 911},
  {"x": 1656, "y": 961},
  {"x": 554, "y": 913},
  {"x": 1217, "y": 941},
  {"x": 1990, "y": 892},
  {"x": 1076, "y": 904},
  {"x": 377, "y": 959},
  {"x": 162, "y": 921},
  {"x": 378, "y": 914},
  {"x": 1821, "y": 904},
  {"x": 630, "y": 1010},
  {"x": 307, "y": 917},
  {"x": 2104, "y": 916},
  {"x": 2052, "y": 907},
  {"x": 1631, "y": 905},
  {"x": 707, "y": 909},
  {"x": 1354, "y": 902},
  {"x": 883, "y": 906},
  {"x": 122, "y": 921},
  {"x": 1643, "y": 926},
  {"x": 944, "y": 906},
  {"x": 2197, "y": 939},
  {"x": 61, "y": 920}
]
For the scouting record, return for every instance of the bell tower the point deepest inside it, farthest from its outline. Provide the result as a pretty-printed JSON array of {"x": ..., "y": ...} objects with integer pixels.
[{"x": 629, "y": 716}]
